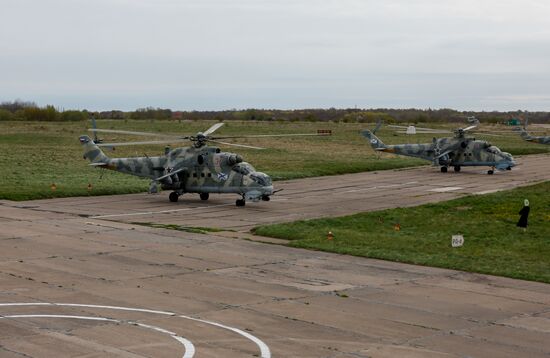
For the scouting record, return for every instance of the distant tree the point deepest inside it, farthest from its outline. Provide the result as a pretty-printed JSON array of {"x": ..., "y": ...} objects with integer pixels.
[
  {"x": 73, "y": 116},
  {"x": 151, "y": 113},
  {"x": 6, "y": 115},
  {"x": 47, "y": 114},
  {"x": 17, "y": 105}
]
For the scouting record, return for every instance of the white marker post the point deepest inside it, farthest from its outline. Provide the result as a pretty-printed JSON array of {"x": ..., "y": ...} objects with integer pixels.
[{"x": 457, "y": 240}]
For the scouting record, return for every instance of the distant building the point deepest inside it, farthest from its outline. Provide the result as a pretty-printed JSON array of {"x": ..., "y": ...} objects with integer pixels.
[{"x": 177, "y": 115}]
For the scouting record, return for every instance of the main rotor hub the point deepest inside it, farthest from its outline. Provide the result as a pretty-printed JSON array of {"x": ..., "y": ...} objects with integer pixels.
[{"x": 200, "y": 139}]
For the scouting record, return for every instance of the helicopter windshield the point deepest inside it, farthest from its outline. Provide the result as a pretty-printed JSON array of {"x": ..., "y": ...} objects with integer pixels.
[
  {"x": 243, "y": 168},
  {"x": 493, "y": 149},
  {"x": 261, "y": 178}
]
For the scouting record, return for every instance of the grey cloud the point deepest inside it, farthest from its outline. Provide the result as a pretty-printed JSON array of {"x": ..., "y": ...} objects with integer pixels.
[{"x": 257, "y": 53}]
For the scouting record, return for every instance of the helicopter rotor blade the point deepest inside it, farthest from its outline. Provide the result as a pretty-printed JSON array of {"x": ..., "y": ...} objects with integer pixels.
[
  {"x": 422, "y": 131},
  {"x": 274, "y": 135},
  {"x": 489, "y": 134},
  {"x": 236, "y": 145},
  {"x": 418, "y": 129},
  {"x": 396, "y": 126},
  {"x": 167, "y": 141},
  {"x": 134, "y": 133},
  {"x": 214, "y": 128}
]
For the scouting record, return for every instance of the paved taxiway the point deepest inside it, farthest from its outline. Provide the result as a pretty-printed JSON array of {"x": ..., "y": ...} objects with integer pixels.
[
  {"x": 165, "y": 293},
  {"x": 306, "y": 198}
]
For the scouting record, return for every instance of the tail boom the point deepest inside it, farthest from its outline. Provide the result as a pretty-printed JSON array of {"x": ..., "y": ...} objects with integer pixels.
[
  {"x": 375, "y": 142},
  {"x": 93, "y": 153}
]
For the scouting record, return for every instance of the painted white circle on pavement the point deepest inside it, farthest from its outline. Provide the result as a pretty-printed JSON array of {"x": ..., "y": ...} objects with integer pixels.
[
  {"x": 264, "y": 349},
  {"x": 189, "y": 347}
]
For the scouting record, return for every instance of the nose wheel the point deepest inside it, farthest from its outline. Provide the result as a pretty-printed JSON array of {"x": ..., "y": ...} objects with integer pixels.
[
  {"x": 204, "y": 196},
  {"x": 240, "y": 202},
  {"x": 444, "y": 169},
  {"x": 173, "y": 196}
]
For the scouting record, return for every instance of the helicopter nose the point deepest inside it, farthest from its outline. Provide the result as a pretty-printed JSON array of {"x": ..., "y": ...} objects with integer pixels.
[
  {"x": 261, "y": 178},
  {"x": 509, "y": 157}
]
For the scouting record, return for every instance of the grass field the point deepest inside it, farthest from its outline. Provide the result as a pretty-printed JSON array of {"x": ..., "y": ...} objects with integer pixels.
[
  {"x": 35, "y": 155},
  {"x": 493, "y": 243}
]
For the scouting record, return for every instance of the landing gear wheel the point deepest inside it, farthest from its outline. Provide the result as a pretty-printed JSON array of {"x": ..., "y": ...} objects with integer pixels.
[
  {"x": 173, "y": 197},
  {"x": 490, "y": 172},
  {"x": 457, "y": 168},
  {"x": 240, "y": 202},
  {"x": 204, "y": 196},
  {"x": 444, "y": 169},
  {"x": 508, "y": 168}
]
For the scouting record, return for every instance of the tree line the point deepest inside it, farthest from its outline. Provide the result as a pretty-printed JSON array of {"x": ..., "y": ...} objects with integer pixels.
[{"x": 29, "y": 111}]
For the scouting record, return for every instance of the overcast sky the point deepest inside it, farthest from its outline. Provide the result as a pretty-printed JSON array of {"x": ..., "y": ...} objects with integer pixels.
[{"x": 215, "y": 54}]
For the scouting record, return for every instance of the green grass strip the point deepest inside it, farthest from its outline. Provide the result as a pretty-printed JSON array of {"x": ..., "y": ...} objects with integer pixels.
[{"x": 493, "y": 243}]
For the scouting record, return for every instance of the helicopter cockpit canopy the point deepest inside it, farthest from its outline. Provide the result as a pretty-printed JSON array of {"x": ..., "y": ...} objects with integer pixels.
[
  {"x": 232, "y": 159},
  {"x": 486, "y": 144},
  {"x": 243, "y": 168},
  {"x": 493, "y": 149},
  {"x": 261, "y": 178}
]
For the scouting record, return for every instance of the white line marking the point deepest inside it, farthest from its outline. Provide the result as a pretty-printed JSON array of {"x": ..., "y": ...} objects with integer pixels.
[
  {"x": 446, "y": 189},
  {"x": 487, "y": 191},
  {"x": 280, "y": 199},
  {"x": 61, "y": 316},
  {"x": 380, "y": 187},
  {"x": 88, "y": 306},
  {"x": 264, "y": 349},
  {"x": 189, "y": 347}
]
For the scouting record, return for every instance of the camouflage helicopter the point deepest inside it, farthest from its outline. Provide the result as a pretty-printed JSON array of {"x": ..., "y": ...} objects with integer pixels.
[
  {"x": 198, "y": 168},
  {"x": 535, "y": 139},
  {"x": 456, "y": 152}
]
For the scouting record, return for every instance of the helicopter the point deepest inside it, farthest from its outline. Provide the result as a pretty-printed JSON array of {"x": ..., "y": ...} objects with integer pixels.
[
  {"x": 197, "y": 168},
  {"x": 535, "y": 139},
  {"x": 456, "y": 152}
]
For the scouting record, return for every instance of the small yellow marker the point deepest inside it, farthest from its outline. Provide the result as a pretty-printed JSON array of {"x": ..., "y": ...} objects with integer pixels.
[
  {"x": 330, "y": 236},
  {"x": 397, "y": 227},
  {"x": 53, "y": 187},
  {"x": 89, "y": 186}
]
